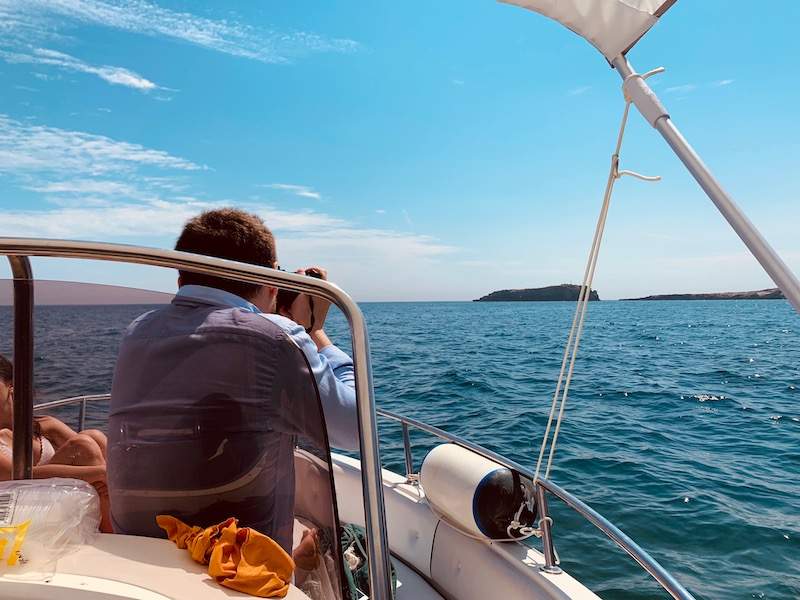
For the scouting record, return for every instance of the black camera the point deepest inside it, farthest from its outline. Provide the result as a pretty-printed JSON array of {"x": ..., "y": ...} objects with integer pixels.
[{"x": 285, "y": 298}]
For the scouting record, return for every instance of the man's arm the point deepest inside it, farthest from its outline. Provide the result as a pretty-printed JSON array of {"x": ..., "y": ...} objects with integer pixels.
[
  {"x": 90, "y": 474},
  {"x": 332, "y": 368},
  {"x": 56, "y": 431},
  {"x": 320, "y": 338},
  {"x": 333, "y": 371}
]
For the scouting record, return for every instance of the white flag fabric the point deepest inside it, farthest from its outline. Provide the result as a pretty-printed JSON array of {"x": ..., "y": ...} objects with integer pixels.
[{"x": 612, "y": 26}]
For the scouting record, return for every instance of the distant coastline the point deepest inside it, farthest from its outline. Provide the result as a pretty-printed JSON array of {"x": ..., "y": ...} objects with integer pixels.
[
  {"x": 553, "y": 293},
  {"x": 766, "y": 294},
  {"x": 68, "y": 293}
]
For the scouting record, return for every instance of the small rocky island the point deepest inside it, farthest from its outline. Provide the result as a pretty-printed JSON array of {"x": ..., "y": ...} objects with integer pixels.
[
  {"x": 768, "y": 294},
  {"x": 552, "y": 293}
]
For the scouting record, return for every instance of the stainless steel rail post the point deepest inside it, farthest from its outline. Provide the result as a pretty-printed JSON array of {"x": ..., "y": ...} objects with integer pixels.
[
  {"x": 651, "y": 108},
  {"x": 23, "y": 367},
  {"x": 410, "y": 475},
  {"x": 616, "y": 535},
  {"x": 82, "y": 416},
  {"x": 545, "y": 522}
]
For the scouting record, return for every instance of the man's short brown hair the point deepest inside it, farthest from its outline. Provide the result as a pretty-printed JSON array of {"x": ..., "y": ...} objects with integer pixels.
[{"x": 227, "y": 233}]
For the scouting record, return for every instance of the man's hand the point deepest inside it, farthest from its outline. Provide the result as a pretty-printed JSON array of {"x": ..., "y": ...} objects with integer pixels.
[
  {"x": 321, "y": 306},
  {"x": 301, "y": 314}
]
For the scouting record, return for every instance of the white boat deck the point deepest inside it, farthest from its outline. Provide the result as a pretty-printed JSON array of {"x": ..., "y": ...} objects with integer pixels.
[{"x": 122, "y": 567}]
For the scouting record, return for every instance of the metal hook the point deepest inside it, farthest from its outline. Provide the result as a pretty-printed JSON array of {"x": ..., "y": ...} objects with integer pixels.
[
  {"x": 618, "y": 173},
  {"x": 638, "y": 176},
  {"x": 652, "y": 72}
]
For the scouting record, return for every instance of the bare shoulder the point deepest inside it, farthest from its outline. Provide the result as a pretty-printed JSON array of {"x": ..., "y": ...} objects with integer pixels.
[
  {"x": 6, "y": 464},
  {"x": 52, "y": 426}
]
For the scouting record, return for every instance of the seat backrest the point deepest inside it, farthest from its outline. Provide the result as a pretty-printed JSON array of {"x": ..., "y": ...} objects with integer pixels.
[{"x": 208, "y": 406}]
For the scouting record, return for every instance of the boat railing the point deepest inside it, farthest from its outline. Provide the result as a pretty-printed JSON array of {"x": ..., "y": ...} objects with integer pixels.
[
  {"x": 82, "y": 400},
  {"x": 18, "y": 252},
  {"x": 663, "y": 577}
]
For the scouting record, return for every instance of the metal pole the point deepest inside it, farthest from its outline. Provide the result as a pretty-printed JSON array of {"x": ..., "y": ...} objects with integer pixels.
[
  {"x": 650, "y": 107},
  {"x": 23, "y": 367},
  {"x": 380, "y": 580},
  {"x": 82, "y": 416},
  {"x": 545, "y": 521},
  {"x": 410, "y": 476}
]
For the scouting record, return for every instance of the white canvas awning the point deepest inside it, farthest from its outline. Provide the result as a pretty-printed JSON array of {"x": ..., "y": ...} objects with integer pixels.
[{"x": 612, "y": 26}]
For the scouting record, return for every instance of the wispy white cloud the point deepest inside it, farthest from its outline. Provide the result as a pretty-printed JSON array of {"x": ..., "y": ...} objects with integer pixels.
[
  {"x": 98, "y": 187},
  {"x": 688, "y": 88},
  {"x": 681, "y": 89},
  {"x": 43, "y": 19},
  {"x": 155, "y": 217},
  {"x": 85, "y": 186},
  {"x": 456, "y": 81},
  {"x": 368, "y": 262},
  {"x": 53, "y": 58},
  {"x": 380, "y": 211},
  {"x": 407, "y": 217},
  {"x": 303, "y": 191},
  {"x": 356, "y": 254},
  {"x": 579, "y": 91},
  {"x": 37, "y": 150},
  {"x": 362, "y": 244}
]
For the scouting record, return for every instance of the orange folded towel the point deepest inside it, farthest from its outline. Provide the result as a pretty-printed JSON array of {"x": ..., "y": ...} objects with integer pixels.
[{"x": 238, "y": 558}]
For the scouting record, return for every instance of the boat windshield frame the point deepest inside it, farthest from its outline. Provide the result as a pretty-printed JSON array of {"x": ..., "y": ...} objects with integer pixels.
[{"x": 18, "y": 251}]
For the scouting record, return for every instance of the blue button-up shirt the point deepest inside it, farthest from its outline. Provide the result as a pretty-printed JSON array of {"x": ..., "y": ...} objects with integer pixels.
[{"x": 332, "y": 368}]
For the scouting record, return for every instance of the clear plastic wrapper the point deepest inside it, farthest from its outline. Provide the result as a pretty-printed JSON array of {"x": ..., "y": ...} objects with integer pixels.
[{"x": 42, "y": 520}]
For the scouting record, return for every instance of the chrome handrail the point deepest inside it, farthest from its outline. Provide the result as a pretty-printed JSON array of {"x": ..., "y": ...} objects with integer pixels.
[
  {"x": 663, "y": 577},
  {"x": 71, "y": 400},
  {"x": 374, "y": 510},
  {"x": 74, "y": 400}
]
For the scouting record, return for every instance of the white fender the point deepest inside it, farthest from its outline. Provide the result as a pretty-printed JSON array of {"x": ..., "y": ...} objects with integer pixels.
[{"x": 469, "y": 490}]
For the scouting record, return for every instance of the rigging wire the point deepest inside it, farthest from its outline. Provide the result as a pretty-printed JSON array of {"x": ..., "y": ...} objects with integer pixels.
[{"x": 573, "y": 341}]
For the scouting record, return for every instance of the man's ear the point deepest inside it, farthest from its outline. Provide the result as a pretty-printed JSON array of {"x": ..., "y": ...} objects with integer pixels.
[
  {"x": 273, "y": 296},
  {"x": 264, "y": 299},
  {"x": 180, "y": 280}
]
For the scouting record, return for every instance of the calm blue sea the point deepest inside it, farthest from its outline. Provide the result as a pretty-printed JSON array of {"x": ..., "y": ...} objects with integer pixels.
[{"x": 683, "y": 425}]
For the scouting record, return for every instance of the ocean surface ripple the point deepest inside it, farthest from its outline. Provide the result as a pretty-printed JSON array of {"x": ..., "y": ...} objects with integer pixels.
[{"x": 682, "y": 428}]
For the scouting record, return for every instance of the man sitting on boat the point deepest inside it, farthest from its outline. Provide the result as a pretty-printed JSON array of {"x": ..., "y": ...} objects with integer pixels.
[{"x": 212, "y": 392}]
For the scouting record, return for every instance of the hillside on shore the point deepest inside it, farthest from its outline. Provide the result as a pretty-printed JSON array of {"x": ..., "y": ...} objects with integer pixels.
[
  {"x": 69, "y": 293},
  {"x": 552, "y": 293},
  {"x": 767, "y": 294}
]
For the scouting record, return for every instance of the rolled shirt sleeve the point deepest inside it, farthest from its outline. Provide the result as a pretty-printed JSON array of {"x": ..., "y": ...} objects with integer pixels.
[{"x": 335, "y": 376}]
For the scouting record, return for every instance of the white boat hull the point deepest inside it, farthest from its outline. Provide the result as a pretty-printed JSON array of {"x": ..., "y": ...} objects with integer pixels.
[{"x": 455, "y": 565}]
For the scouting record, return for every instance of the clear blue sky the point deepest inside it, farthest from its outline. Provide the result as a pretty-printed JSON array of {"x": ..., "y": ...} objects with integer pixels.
[{"x": 419, "y": 150}]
